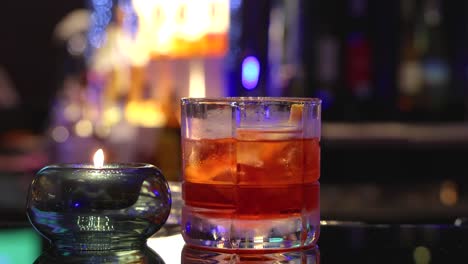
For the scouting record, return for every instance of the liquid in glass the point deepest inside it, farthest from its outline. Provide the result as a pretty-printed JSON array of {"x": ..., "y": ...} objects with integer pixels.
[{"x": 256, "y": 189}]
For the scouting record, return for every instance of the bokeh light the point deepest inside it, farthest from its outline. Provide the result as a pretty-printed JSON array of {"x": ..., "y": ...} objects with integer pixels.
[
  {"x": 72, "y": 112},
  {"x": 84, "y": 128},
  {"x": 250, "y": 72},
  {"x": 448, "y": 193},
  {"x": 60, "y": 134},
  {"x": 422, "y": 255}
]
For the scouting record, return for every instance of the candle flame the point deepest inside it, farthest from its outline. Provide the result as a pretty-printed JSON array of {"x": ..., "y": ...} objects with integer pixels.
[{"x": 98, "y": 159}]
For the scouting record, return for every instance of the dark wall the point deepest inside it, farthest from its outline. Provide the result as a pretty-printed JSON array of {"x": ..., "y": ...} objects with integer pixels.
[{"x": 28, "y": 54}]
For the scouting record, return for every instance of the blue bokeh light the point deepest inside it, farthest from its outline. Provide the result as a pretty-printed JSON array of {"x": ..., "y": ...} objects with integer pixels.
[
  {"x": 250, "y": 72},
  {"x": 235, "y": 4},
  {"x": 326, "y": 96},
  {"x": 101, "y": 2},
  {"x": 97, "y": 36},
  {"x": 188, "y": 227},
  {"x": 130, "y": 18},
  {"x": 100, "y": 18}
]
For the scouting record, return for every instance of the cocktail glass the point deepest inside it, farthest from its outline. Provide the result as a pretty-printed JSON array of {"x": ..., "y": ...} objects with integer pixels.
[{"x": 251, "y": 167}]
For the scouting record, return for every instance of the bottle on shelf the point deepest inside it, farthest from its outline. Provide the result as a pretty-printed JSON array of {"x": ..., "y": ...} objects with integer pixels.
[
  {"x": 358, "y": 58},
  {"x": 424, "y": 72},
  {"x": 323, "y": 64}
]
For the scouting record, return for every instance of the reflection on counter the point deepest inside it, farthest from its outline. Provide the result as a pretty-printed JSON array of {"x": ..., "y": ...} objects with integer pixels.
[
  {"x": 340, "y": 242},
  {"x": 197, "y": 256},
  {"x": 359, "y": 242},
  {"x": 143, "y": 255}
]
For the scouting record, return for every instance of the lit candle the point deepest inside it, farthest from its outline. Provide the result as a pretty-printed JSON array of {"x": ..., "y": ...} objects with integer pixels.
[
  {"x": 98, "y": 159},
  {"x": 98, "y": 206}
]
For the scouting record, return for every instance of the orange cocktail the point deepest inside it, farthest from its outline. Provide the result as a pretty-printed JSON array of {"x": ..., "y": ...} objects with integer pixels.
[{"x": 251, "y": 184}]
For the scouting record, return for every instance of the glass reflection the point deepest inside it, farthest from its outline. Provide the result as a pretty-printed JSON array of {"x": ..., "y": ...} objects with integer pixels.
[
  {"x": 192, "y": 255},
  {"x": 134, "y": 256}
]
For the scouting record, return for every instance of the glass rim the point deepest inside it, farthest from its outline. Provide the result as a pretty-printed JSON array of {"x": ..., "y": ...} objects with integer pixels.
[
  {"x": 251, "y": 99},
  {"x": 107, "y": 166}
]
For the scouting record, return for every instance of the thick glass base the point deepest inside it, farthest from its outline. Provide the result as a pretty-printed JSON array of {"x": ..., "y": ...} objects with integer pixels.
[
  {"x": 192, "y": 255},
  {"x": 97, "y": 241},
  {"x": 141, "y": 254},
  {"x": 212, "y": 229}
]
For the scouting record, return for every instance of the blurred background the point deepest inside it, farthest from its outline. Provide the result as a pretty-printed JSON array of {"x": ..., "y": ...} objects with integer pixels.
[{"x": 393, "y": 77}]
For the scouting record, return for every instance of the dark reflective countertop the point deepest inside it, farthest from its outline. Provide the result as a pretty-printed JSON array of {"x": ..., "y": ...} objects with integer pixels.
[
  {"x": 395, "y": 243},
  {"x": 340, "y": 242},
  {"x": 415, "y": 226}
]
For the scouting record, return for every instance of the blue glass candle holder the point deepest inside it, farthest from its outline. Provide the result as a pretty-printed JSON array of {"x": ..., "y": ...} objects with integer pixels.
[{"x": 81, "y": 207}]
